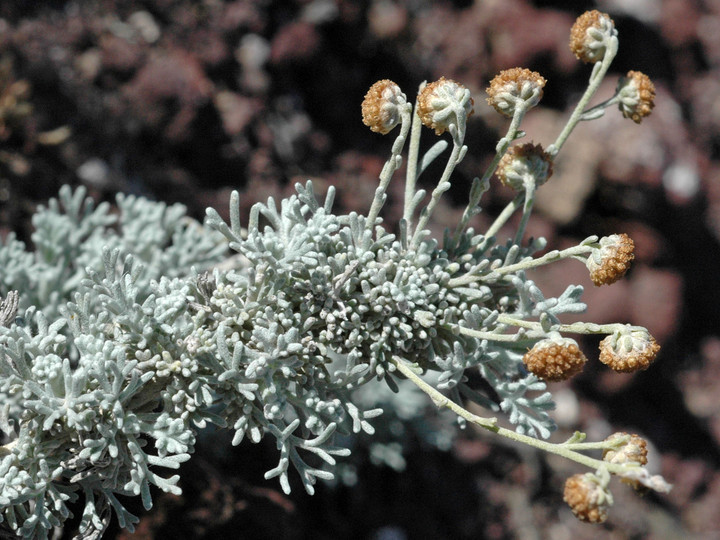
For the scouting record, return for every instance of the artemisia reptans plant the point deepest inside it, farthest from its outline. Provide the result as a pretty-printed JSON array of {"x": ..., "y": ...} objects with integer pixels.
[{"x": 125, "y": 333}]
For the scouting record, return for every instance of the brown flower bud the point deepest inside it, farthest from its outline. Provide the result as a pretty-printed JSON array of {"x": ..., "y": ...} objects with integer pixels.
[
  {"x": 634, "y": 450},
  {"x": 586, "y": 498},
  {"x": 524, "y": 162},
  {"x": 555, "y": 359},
  {"x": 628, "y": 350},
  {"x": 382, "y": 106},
  {"x": 611, "y": 260},
  {"x": 637, "y": 96},
  {"x": 513, "y": 86},
  {"x": 589, "y": 35},
  {"x": 444, "y": 102}
]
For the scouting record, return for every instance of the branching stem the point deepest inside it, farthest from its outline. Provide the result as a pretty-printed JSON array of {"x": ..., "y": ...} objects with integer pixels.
[
  {"x": 598, "y": 73},
  {"x": 500, "y": 149},
  {"x": 569, "y": 450},
  {"x": 493, "y": 275}
]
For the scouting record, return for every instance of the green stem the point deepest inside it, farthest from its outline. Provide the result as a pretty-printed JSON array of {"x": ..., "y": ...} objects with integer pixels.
[
  {"x": 569, "y": 451},
  {"x": 442, "y": 187},
  {"x": 604, "y": 105},
  {"x": 391, "y": 165},
  {"x": 441, "y": 400},
  {"x": 507, "y": 212},
  {"x": 550, "y": 257},
  {"x": 527, "y": 209},
  {"x": 598, "y": 73},
  {"x": 490, "y": 336},
  {"x": 411, "y": 173},
  {"x": 573, "y": 328},
  {"x": 493, "y": 275},
  {"x": 500, "y": 151}
]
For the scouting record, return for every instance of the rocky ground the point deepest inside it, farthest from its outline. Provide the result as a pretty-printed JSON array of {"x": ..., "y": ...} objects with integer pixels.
[{"x": 186, "y": 100}]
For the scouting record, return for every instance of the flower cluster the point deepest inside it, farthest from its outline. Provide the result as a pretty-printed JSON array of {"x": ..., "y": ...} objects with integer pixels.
[
  {"x": 631, "y": 449},
  {"x": 383, "y": 106},
  {"x": 628, "y": 349},
  {"x": 555, "y": 359},
  {"x": 587, "y": 497},
  {"x": 611, "y": 260},
  {"x": 590, "y": 36},
  {"x": 515, "y": 89},
  {"x": 444, "y": 103},
  {"x": 524, "y": 165},
  {"x": 636, "y": 93}
]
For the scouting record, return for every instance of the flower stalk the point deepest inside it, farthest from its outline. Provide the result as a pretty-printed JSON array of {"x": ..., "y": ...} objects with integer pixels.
[{"x": 570, "y": 449}]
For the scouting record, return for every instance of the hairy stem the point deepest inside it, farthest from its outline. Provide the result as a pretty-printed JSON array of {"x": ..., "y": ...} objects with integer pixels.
[
  {"x": 569, "y": 451},
  {"x": 411, "y": 173},
  {"x": 598, "y": 73},
  {"x": 500, "y": 149},
  {"x": 391, "y": 165},
  {"x": 492, "y": 275},
  {"x": 442, "y": 187}
]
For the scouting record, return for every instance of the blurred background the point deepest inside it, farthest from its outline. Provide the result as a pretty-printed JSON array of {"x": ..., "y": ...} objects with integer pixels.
[{"x": 184, "y": 101}]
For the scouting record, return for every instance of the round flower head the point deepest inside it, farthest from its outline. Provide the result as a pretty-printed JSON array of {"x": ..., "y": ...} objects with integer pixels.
[
  {"x": 443, "y": 103},
  {"x": 590, "y": 34},
  {"x": 611, "y": 260},
  {"x": 382, "y": 107},
  {"x": 555, "y": 359},
  {"x": 514, "y": 86},
  {"x": 628, "y": 349},
  {"x": 633, "y": 450},
  {"x": 637, "y": 95},
  {"x": 587, "y": 499},
  {"x": 524, "y": 163}
]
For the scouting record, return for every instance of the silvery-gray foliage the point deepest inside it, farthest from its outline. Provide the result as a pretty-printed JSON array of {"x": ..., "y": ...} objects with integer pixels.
[
  {"x": 123, "y": 335},
  {"x": 124, "y": 346},
  {"x": 78, "y": 364}
]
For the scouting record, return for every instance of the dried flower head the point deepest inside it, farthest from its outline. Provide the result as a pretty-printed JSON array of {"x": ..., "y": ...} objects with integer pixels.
[
  {"x": 382, "y": 107},
  {"x": 590, "y": 34},
  {"x": 443, "y": 103},
  {"x": 524, "y": 163},
  {"x": 555, "y": 359},
  {"x": 629, "y": 449},
  {"x": 587, "y": 499},
  {"x": 633, "y": 450},
  {"x": 637, "y": 96},
  {"x": 611, "y": 260},
  {"x": 514, "y": 86},
  {"x": 629, "y": 349}
]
